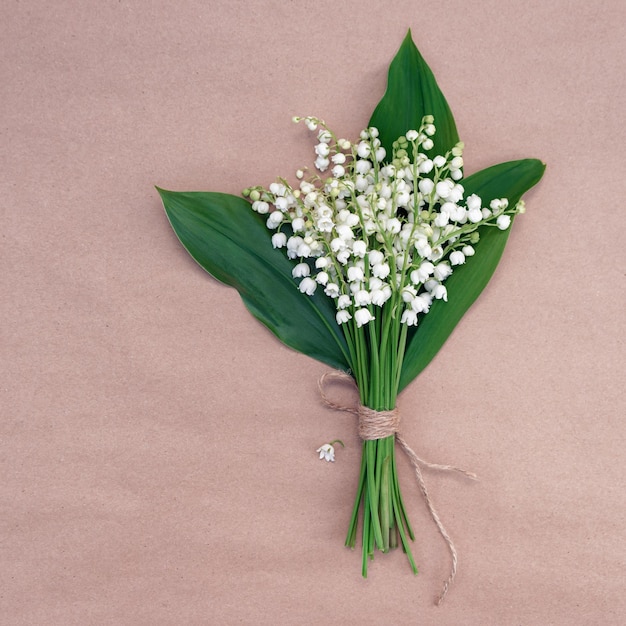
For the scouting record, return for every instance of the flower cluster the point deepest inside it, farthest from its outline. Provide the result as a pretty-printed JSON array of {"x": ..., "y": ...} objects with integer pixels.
[{"x": 378, "y": 229}]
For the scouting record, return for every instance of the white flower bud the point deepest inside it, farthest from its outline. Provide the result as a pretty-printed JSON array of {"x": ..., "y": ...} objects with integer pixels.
[
  {"x": 503, "y": 221},
  {"x": 426, "y": 185},
  {"x": 468, "y": 251},
  {"x": 260, "y": 207},
  {"x": 474, "y": 215},
  {"x": 411, "y": 135},
  {"x": 456, "y": 163},
  {"x": 425, "y": 167},
  {"x": 443, "y": 188},
  {"x": 363, "y": 149}
]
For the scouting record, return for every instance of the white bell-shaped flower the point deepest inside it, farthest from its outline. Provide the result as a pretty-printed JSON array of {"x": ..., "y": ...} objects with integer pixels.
[
  {"x": 362, "y": 297},
  {"x": 409, "y": 317},
  {"x": 301, "y": 270},
  {"x": 457, "y": 258},
  {"x": 279, "y": 240},
  {"x": 362, "y": 317},
  {"x": 307, "y": 286},
  {"x": 342, "y": 316}
]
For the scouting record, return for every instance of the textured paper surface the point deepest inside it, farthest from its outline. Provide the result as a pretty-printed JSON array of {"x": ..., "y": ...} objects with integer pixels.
[{"x": 157, "y": 446}]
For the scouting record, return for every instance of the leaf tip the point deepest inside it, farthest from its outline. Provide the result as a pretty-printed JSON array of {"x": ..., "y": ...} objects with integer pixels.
[{"x": 165, "y": 194}]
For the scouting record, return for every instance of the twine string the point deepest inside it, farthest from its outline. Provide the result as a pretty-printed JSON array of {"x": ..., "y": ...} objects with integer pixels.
[{"x": 381, "y": 424}]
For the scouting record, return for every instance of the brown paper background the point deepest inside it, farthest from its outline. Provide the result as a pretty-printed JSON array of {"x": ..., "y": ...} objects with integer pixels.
[{"x": 157, "y": 456}]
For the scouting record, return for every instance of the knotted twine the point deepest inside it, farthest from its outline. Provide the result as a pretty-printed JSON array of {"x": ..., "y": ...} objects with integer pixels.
[{"x": 381, "y": 424}]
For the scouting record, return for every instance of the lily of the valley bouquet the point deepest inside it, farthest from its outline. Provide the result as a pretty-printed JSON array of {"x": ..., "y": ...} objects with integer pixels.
[{"x": 366, "y": 263}]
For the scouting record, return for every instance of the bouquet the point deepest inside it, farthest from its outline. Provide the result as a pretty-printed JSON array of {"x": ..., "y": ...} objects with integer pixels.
[{"x": 366, "y": 263}]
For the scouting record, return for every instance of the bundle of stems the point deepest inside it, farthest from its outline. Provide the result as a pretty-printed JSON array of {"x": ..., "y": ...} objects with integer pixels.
[{"x": 377, "y": 352}]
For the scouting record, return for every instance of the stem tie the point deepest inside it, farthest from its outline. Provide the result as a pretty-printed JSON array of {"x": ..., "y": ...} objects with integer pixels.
[{"x": 381, "y": 424}]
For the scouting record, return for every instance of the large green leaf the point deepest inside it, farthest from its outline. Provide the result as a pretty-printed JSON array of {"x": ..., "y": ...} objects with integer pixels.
[
  {"x": 412, "y": 92},
  {"x": 506, "y": 180},
  {"x": 231, "y": 242}
]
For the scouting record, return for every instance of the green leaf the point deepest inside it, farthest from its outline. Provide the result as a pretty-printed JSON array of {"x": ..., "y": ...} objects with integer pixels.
[
  {"x": 412, "y": 92},
  {"x": 231, "y": 242},
  {"x": 507, "y": 180}
]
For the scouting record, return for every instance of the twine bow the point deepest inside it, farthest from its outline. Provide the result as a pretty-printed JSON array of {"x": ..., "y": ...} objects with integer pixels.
[{"x": 381, "y": 424}]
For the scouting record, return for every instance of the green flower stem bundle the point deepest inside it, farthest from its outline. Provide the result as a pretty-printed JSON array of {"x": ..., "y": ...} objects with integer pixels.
[{"x": 368, "y": 263}]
